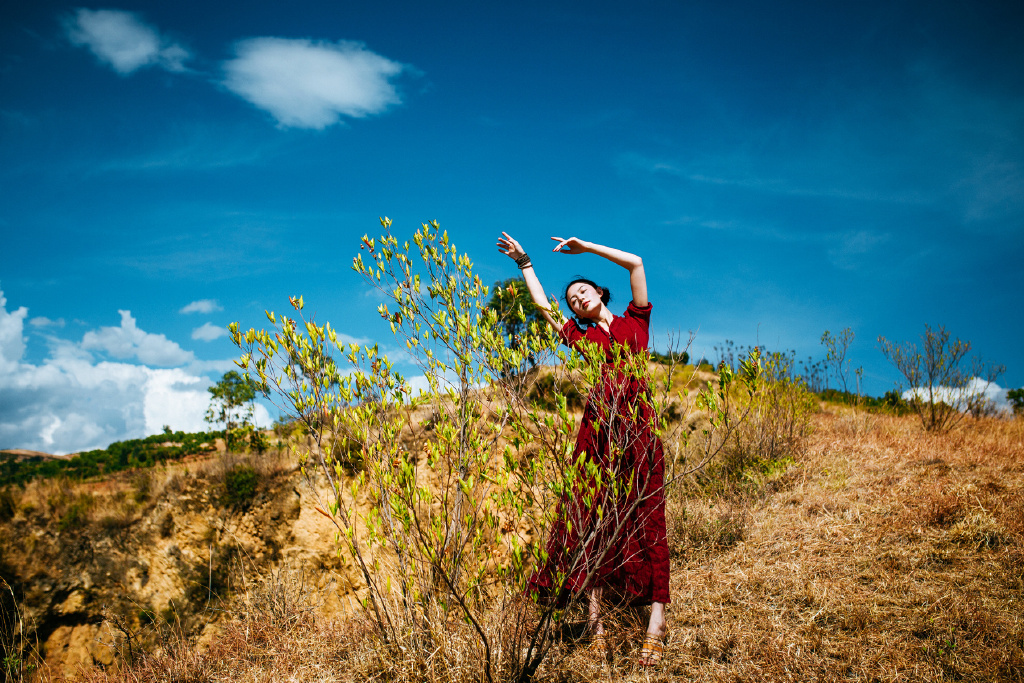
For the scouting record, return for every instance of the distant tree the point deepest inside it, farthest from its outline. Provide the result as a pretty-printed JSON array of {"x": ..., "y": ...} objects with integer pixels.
[
  {"x": 510, "y": 299},
  {"x": 232, "y": 401},
  {"x": 1016, "y": 398},
  {"x": 940, "y": 376}
]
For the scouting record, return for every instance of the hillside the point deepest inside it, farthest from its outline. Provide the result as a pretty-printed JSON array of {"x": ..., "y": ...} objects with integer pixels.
[{"x": 879, "y": 552}]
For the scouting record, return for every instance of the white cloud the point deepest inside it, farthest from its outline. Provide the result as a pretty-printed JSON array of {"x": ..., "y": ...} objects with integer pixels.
[
  {"x": 128, "y": 341},
  {"x": 43, "y": 321},
  {"x": 209, "y": 332},
  {"x": 202, "y": 306},
  {"x": 124, "y": 41},
  {"x": 12, "y": 340},
  {"x": 306, "y": 84},
  {"x": 977, "y": 388},
  {"x": 73, "y": 402}
]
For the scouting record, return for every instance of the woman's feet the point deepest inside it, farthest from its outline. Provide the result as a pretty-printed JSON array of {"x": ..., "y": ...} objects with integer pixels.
[{"x": 652, "y": 651}]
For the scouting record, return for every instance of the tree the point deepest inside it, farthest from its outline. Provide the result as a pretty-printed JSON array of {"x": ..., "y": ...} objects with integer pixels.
[
  {"x": 510, "y": 300},
  {"x": 231, "y": 401},
  {"x": 836, "y": 347},
  {"x": 1016, "y": 398},
  {"x": 942, "y": 379}
]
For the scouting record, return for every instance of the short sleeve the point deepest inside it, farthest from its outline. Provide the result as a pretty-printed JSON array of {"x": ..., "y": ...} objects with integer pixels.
[
  {"x": 570, "y": 333},
  {"x": 641, "y": 314},
  {"x": 632, "y": 327}
]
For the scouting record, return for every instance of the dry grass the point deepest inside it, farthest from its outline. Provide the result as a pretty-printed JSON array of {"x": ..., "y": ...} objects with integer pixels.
[{"x": 884, "y": 553}]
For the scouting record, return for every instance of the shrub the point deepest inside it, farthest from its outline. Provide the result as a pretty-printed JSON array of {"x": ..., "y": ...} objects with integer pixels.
[
  {"x": 76, "y": 513},
  {"x": 240, "y": 484},
  {"x": 941, "y": 377},
  {"x": 8, "y": 504}
]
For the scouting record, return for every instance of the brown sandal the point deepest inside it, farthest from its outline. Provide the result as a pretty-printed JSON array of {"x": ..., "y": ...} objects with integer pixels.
[
  {"x": 600, "y": 646},
  {"x": 652, "y": 651}
]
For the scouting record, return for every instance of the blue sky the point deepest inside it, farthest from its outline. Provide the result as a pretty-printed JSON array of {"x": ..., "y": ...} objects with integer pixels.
[{"x": 783, "y": 169}]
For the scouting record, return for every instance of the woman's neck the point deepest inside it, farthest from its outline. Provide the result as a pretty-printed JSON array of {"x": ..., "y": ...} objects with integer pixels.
[{"x": 604, "y": 318}]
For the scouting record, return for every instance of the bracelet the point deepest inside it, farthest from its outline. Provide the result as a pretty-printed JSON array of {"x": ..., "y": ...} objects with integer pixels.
[{"x": 523, "y": 261}]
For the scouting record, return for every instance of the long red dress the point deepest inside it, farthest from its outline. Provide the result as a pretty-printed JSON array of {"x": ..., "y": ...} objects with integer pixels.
[{"x": 613, "y": 535}]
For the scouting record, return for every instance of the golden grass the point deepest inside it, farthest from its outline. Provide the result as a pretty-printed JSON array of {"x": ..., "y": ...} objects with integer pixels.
[{"x": 884, "y": 554}]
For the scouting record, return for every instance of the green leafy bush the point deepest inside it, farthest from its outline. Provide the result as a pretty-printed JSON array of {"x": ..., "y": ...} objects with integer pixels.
[{"x": 240, "y": 484}]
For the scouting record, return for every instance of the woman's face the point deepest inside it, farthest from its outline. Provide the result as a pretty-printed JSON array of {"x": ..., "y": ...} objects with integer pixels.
[{"x": 584, "y": 300}]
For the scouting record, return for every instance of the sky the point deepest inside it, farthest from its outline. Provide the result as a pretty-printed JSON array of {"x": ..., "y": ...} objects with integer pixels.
[{"x": 782, "y": 168}]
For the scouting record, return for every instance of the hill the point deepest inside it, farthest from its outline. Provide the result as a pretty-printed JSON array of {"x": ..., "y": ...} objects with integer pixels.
[{"x": 876, "y": 552}]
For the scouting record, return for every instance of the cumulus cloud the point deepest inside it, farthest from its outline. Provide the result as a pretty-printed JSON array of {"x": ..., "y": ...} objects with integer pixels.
[
  {"x": 202, "y": 306},
  {"x": 209, "y": 332},
  {"x": 122, "y": 40},
  {"x": 975, "y": 390},
  {"x": 307, "y": 84},
  {"x": 72, "y": 401},
  {"x": 128, "y": 341}
]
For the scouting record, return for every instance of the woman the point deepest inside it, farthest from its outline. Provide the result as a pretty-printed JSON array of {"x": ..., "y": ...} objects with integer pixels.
[{"x": 623, "y": 551}]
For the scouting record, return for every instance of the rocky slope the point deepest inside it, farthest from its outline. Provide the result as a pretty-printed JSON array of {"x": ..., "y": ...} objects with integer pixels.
[{"x": 154, "y": 546}]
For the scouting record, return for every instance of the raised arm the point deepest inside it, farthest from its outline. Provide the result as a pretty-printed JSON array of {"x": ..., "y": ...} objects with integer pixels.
[
  {"x": 510, "y": 247},
  {"x": 631, "y": 262}
]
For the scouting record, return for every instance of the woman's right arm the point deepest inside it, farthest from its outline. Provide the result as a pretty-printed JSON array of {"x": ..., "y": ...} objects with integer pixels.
[{"x": 511, "y": 248}]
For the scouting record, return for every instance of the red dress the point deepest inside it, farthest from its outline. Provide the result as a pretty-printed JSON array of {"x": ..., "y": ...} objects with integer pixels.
[{"x": 613, "y": 535}]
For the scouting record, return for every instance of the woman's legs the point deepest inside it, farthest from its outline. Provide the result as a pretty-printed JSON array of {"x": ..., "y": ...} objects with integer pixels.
[
  {"x": 596, "y": 627},
  {"x": 657, "y": 625}
]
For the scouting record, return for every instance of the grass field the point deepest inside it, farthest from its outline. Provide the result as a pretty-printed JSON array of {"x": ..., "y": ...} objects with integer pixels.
[{"x": 881, "y": 553}]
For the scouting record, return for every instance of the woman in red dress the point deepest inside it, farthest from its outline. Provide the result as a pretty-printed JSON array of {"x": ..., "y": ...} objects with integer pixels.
[{"x": 622, "y": 550}]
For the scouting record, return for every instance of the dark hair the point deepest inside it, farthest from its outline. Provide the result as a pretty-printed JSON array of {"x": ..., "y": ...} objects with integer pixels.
[{"x": 606, "y": 295}]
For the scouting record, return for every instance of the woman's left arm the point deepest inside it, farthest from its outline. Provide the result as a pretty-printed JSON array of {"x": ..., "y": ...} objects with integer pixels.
[{"x": 631, "y": 262}]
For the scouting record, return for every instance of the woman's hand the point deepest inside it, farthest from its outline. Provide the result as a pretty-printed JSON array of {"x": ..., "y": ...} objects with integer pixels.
[
  {"x": 508, "y": 246},
  {"x": 572, "y": 245}
]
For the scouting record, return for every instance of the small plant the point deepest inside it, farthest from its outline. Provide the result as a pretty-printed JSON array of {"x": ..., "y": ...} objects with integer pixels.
[
  {"x": 240, "y": 484},
  {"x": 75, "y": 512}
]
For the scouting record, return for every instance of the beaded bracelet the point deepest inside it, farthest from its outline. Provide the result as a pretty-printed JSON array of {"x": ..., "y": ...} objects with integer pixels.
[{"x": 523, "y": 261}]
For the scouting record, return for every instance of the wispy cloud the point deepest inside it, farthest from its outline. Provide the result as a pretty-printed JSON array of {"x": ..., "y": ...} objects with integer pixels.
[
  {"x": 202, "y": 306},
  {"x": 43, "y": 321},
  {"x": 307, "y": 84},
  {"x": 123, "y": 41},
  {"x": 129, "y": 342},
  {"x": 209, "y": 332}
]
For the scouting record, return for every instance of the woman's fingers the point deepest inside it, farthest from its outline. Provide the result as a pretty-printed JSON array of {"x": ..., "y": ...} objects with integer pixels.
[{"x": 508, "y": 245}]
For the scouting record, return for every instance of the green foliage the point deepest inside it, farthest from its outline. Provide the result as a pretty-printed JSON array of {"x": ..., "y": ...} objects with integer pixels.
[
  {"x": 544, "y": 394},
  {"x": 231, "y": 401},
  {"x": 240, "y": 485},
  {"x": 76, "y": 513},
  {"x": 765, "y": 420},
  {"x": 118, "y": 456},
  {"x": 1016, "y": 398},
  {"x": 683, "y": 357},
  {"x": 511, "y": 301}
]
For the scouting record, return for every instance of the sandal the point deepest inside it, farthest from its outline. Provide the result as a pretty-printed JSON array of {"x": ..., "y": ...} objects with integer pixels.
[
  {"x": 600, "y": 646},
  {"x": 653, "y": 650}
]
